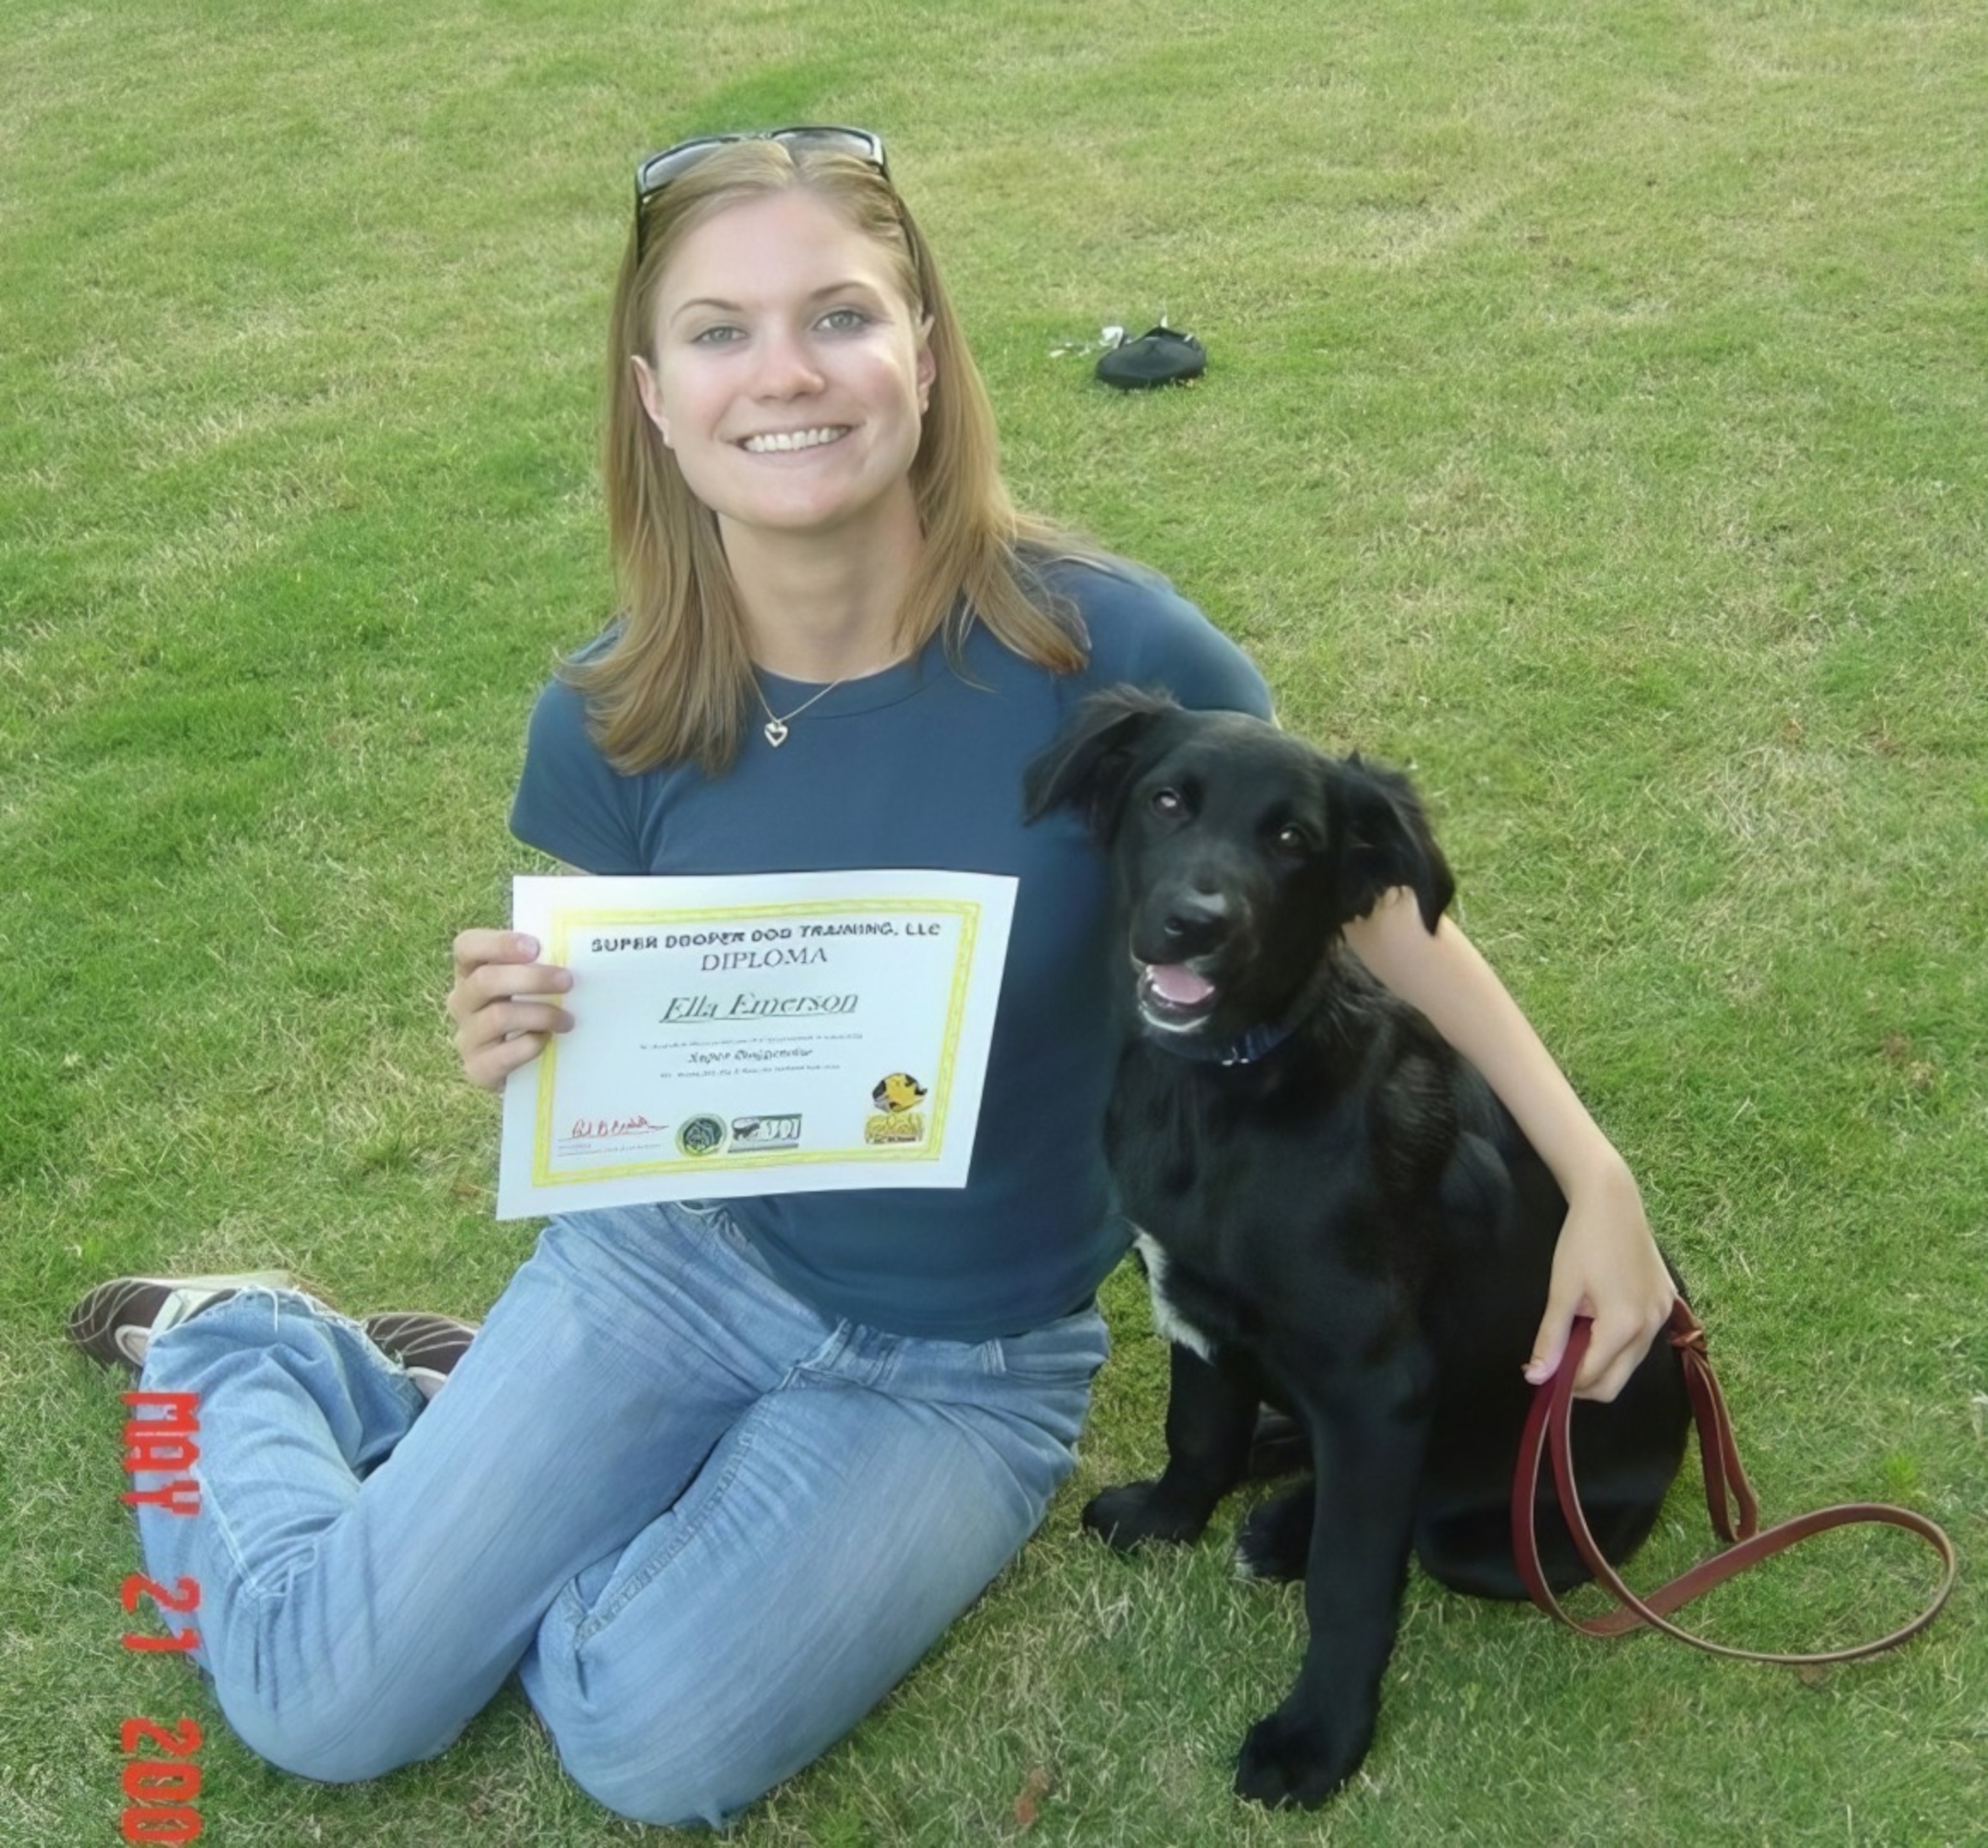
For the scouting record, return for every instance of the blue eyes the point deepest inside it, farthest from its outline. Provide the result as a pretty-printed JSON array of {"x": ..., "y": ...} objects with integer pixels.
[{"x": 837, "y": 320}]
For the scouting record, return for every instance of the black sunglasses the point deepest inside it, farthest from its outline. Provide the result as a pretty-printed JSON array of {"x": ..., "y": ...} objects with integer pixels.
[{"x": 659, "y": 169}]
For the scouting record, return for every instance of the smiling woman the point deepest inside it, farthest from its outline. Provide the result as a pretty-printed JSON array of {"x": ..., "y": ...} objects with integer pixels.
[
  {"x": 834, "y": 323},
  {"x": 792, "y": 394}
]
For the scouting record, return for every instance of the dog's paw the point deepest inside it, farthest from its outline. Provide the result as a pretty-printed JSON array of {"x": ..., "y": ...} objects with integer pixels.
[
  {"x": 1131, "y": 1516},
  {"x": 1276, "y": 1539},
  {"x": 1295, "y": 1760}
]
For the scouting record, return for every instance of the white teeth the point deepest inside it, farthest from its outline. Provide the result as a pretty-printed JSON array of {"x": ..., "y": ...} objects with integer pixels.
[{"x": 778, "y": 440}]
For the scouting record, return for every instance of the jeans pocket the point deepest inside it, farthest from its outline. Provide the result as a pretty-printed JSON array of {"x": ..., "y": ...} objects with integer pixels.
[{"x": 1067, "y": 1352}]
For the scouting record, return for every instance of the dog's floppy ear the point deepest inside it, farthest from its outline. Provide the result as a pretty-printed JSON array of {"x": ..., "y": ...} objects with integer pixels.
[
  {"x": 1087, "y": 766},
  {"x": 1382, "y": 840}
]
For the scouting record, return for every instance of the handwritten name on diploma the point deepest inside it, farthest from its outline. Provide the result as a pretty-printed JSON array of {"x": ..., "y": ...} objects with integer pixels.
[{"x": 749, "y": 1006}]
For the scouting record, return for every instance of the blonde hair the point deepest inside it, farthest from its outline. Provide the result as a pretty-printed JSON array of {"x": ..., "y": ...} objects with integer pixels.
[{"x": 673, "y": 680}]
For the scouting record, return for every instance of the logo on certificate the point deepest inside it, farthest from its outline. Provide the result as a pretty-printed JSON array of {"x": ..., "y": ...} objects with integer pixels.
[
  {"x": 900, "y": 1091},
  {"x": 898, "y": 1118},
  {"x": 752, "y": 1133},
  {"x": 702, "y": 1135}
]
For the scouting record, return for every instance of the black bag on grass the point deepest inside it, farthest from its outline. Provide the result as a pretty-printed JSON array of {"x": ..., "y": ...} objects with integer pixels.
[{"x": 1159, "y": 357}]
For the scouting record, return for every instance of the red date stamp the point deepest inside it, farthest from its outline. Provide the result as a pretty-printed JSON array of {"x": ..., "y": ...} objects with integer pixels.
[{"x": 162, "y": 1773}]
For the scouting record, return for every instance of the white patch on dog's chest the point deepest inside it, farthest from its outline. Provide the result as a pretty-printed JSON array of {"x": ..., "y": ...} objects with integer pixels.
[{"x": 1166, "y": 1319}]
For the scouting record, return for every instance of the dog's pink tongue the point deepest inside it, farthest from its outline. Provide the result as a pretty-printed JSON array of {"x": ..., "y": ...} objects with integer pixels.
[{"x": 1176, "y": 982}]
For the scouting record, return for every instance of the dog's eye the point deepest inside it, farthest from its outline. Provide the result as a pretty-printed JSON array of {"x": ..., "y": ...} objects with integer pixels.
[
  {"x": 1169, "y": 802},
  {"x": 1291, "y": 839}
]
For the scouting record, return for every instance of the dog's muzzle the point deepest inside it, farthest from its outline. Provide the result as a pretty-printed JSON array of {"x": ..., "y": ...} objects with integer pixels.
[{"x": 1185, "y": 929}]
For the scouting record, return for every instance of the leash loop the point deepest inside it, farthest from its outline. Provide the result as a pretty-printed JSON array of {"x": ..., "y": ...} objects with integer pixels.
[{"x": 1729, "y": 1500}]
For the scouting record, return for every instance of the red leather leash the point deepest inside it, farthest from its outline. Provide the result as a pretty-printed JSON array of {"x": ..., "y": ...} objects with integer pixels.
[{"x": 1728, "y": 1497}]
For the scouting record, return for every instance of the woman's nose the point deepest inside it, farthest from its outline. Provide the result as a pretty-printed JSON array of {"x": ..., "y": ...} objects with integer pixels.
[{"x": 786, "y": 368}]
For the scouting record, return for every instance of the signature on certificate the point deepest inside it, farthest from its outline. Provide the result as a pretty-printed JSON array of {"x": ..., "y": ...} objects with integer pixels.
[{"x": 597, "y": 1129}]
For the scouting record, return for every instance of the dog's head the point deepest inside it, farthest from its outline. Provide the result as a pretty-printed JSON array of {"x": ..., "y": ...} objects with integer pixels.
[
  {"x": 900, "y": 1091},
  {"x": 1238, "y": 853}
]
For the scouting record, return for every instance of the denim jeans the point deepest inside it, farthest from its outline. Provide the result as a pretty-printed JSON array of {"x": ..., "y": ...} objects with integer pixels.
[{"x": 710, "y": 1527}]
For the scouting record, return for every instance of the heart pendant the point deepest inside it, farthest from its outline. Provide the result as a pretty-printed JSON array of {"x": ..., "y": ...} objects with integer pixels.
[{"x": 777, "y": 733}]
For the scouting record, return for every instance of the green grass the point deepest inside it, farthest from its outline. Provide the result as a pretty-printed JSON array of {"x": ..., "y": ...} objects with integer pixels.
[{"x": 1593, "y": 421}]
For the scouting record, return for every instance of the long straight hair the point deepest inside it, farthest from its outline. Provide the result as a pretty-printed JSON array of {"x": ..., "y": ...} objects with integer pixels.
[{"x": 673, "y": 681}]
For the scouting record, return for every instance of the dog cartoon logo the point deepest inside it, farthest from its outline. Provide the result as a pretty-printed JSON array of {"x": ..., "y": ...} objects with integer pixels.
[
  {"x": 900, "y": 1091},
  {"x": 897, "y": 1118}
]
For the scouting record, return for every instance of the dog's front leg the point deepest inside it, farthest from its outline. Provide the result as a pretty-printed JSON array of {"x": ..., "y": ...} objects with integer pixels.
[
  {"x": 1368, "y": 1443},
  {"x": 1211, "y": 1419}
]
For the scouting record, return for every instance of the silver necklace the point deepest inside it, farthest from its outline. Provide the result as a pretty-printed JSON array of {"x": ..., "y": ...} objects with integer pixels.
[{"x": 776, "y": 727}]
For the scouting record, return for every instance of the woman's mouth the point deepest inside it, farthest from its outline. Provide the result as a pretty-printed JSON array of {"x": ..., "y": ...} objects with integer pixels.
[{"x": 783, "y": 442}]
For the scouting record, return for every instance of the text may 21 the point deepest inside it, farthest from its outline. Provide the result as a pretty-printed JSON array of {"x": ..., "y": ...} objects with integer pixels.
[{"x": 162, "y": 1770}]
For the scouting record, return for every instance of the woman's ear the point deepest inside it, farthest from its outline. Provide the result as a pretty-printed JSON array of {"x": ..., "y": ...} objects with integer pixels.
[
  {"x": 651, "y": 395},
  {"x": 927, "y": 366}
]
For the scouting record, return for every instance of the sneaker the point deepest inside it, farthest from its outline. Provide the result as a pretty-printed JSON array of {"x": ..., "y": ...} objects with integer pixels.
[
  {"x": 428, "y": 1346},
  {"x": 116, "y": 1322}
]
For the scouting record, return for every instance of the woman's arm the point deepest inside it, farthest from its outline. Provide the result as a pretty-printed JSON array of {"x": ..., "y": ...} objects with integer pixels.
[{"x": 1606, "y": 1264}]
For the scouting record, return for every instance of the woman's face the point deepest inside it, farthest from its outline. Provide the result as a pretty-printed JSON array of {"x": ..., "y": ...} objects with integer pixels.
[{"x": 787, "y": 373}]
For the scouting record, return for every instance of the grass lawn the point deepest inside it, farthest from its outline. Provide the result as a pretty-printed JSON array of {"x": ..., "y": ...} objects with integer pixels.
[{"x": 1594, "y": 422}]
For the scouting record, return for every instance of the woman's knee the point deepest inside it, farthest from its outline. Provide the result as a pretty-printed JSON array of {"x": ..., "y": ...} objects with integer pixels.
[
  {"x": 690, "y": 1774},
  {"x": 679, "y": 1712},
  {"x": 334, "y": 1729}
]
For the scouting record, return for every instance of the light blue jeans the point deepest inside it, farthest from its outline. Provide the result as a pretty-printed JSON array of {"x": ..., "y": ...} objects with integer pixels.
[{"x": 709, "y": 1527}]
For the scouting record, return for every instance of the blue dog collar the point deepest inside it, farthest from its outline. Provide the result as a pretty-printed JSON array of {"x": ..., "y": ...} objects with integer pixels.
[{"x": 1258, "y": 1042}]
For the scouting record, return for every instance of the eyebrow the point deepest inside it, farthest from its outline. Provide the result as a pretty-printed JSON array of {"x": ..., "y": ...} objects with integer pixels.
[{"x": 853, "y": 285}]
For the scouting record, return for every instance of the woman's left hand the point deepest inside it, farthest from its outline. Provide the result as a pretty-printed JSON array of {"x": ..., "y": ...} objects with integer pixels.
[{"x": 1606, "y": 1266}]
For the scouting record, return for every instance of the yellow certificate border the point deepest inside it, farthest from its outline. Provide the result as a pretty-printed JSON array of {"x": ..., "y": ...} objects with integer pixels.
[{"x": 565, "y": 921}]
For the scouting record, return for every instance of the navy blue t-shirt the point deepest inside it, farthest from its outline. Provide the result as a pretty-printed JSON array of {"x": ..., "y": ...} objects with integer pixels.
[{"x": 921, "y": 767}]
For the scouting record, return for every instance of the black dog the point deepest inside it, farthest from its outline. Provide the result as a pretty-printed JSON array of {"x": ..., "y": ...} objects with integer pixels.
[{"x": 1337, "y": 1216}]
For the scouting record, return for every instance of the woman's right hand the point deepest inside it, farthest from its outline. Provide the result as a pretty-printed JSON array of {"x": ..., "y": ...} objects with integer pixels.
[{"x": 500, "y": 1003}]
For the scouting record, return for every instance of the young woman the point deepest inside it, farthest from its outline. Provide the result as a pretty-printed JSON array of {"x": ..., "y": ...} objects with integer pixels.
[{"x": 713, "y": 1480}]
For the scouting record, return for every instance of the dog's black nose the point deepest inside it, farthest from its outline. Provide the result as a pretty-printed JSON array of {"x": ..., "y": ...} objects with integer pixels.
[{"x": 1195, "y": 921}]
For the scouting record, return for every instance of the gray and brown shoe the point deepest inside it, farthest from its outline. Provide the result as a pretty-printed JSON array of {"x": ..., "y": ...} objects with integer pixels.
[
  {"x": 116, "y": 1322},
  {"x": 428, "y": 1346}
]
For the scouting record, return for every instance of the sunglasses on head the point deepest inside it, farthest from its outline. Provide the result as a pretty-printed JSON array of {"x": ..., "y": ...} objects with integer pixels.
[{"x": 660, "y": 169}]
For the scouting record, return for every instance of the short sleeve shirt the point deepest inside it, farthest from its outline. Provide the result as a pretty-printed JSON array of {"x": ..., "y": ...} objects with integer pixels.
[{"x": 921, "y": 767}]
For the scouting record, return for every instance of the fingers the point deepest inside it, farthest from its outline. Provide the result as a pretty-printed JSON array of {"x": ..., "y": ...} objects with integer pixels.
[
  {"x": 1617, "y": 1342},
  {"x": 503, "y": 1004},
  {"x": 472, "y": 949},
  {"x": 1548, "y": 1345},
  {"x": 1563, "y": 1304},
  {"x": 494, "y": 1042},
  {"x": 481, "y": 986},
  {"x": 489, "y": 1063},
  {"x": 1606, "y": 1366},
  {"x": 1616, "y": 1349}
]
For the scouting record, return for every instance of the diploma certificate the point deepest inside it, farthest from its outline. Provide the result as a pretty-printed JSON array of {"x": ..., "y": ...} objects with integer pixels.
[{"x": 755, "y": 1033}]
